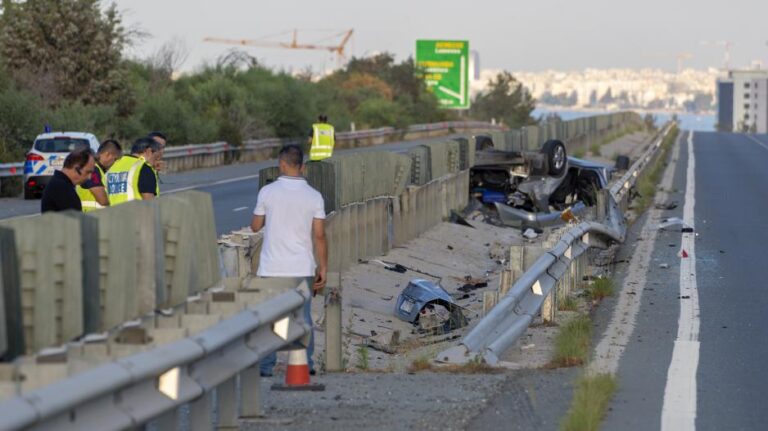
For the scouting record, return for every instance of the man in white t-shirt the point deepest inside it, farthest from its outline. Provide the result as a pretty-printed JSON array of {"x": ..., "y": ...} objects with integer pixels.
[{"x": 292, "y": 214}]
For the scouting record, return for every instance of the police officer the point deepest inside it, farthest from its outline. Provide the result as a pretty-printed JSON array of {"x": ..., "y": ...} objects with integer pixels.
[
  {"x": 92, "y": 193},
  {"x": 322, "y": 139},
  {"x": 132, "y": 177}
]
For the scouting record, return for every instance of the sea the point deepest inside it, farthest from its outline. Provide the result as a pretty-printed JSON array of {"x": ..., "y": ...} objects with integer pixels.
[{"x": 688, "y": 121}]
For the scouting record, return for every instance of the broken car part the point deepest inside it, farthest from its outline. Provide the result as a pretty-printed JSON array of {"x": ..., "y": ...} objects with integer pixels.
[{"x": 421, "y": 297}]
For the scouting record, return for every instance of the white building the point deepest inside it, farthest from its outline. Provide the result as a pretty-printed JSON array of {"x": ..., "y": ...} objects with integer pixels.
[{"x": 748, "y": 100}]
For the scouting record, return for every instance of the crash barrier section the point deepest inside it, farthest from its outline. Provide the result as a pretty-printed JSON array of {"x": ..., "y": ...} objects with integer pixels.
[
  {"x": 73, "y": 274},
  {"x": 547, "y": 274},
  {"x": 152, "y": 386},
  {"x": 576, "y": 133},
  {"x": 208, "y": 155},
  {"x": 364, "y": 229}
]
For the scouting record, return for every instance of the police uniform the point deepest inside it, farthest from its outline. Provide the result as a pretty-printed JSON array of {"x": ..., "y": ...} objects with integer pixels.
[
  {"x": 323, "y": 140},
  {"x": 128, "y": 178}
]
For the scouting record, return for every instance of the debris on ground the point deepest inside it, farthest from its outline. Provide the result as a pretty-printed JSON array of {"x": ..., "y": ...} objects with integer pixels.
[
  {"x": 675, "y": 221},
  {"x": 530, "y": 234},
  {"x": 458, "y": 219},
  {"x": 473, "y": 285},
  {"x": 666, "y": 205},
  {"x": 428, "y": 306},
  {"x": 664, "y": 266}
]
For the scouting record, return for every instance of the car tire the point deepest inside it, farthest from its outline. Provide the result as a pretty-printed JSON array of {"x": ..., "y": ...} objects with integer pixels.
[
  {"x": 557, "y": 157},
  {"x": 28, "y": 194},
  {"x": 622, "y": 163}
]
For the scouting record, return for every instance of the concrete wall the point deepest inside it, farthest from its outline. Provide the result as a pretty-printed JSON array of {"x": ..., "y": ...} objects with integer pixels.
[{"x": 63, "y": 275}]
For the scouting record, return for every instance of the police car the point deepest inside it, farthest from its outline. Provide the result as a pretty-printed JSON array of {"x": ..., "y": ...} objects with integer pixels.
[{"x": 48, "y": 154}]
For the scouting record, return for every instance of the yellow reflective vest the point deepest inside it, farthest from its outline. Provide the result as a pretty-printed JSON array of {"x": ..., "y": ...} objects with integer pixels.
[
  {"x": 323, "y": 141},
  {"x": 123, "y": 180},
  {"x": 87, "y": 199}
]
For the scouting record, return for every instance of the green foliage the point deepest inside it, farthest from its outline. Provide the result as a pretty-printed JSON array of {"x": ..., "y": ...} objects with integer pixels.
[
  {"x": 506, "y": 100},
  {"x": 600, "y": 288},
  {"x": 572, "y": 343},
  {"x": 649, "y": 180},
  {"x": 64, "y": 50},
  {"x": 363, "y": 357},
  {"x": 590, "y": 402},
  {"x": 567, "y": 303}
]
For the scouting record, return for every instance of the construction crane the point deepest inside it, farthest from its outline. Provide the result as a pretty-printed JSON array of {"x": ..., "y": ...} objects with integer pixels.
[
  {"x": 680, "y": 57},
  {"x": 726, "y": 45},
  {"x": 338, "y": 50}
]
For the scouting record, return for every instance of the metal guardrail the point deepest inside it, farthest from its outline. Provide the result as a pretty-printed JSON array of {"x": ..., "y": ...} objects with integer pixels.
[
  {"x": 509, "y": 319},
  {"x": 11, "y": 169},
  {"x": 133, "y": 390}
]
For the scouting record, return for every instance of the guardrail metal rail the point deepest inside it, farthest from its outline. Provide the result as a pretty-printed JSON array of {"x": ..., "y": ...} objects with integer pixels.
[{"x": 509, "y": 319}]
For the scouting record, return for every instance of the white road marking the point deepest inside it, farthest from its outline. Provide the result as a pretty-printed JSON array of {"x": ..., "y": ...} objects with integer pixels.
[
  {"x": 239, "y": 209},
  {"x": 619, "y": 331},
  {"x": 215, "y": 183},
  {"x": 757, "y": 141},
  {"x": 679, "y": 410}
]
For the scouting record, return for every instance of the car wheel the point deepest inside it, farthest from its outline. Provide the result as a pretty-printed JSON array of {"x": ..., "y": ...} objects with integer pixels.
[
  {"x": 28, "y": 194},
  {"x": 556, "y": 155}
]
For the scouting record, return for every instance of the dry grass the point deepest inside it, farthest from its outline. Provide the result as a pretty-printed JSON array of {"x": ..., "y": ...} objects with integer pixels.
[
  {"x": 567, "y": 304},
  {"x": 590, "y": 402},
  {"x": 600, "y": 288},
  {"x": 648, "y": 182},
  {"x": 572, "y": 343},
  {"x": 471, "y": 367}
]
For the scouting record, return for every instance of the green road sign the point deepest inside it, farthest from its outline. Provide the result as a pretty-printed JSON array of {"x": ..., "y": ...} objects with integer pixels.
[{"x": 445, "y": 64}]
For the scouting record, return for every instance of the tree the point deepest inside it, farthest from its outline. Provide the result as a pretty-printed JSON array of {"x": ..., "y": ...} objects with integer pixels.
[
  {"x": 64, "y": 49},
  {"x": 505, "y": 100}
]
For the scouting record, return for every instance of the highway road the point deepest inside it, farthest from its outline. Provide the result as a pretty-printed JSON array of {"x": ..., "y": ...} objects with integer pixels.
[
  {"x": 695, "y": 358},
  {"x": 233, "y": 187}
]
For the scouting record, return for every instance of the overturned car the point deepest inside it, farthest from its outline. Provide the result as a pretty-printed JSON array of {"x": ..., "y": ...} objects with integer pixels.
[{"x": 529, "y": 188}]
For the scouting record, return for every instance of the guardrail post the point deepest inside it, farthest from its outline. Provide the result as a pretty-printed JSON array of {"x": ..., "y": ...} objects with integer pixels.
[
  {"x": 226, "y": 396},
  {"x": 200, "y": 413},
  {"x": 250, "y": 392},
  {"x": 602, "y": 205},
  {"x": 333, "y": 324},
  {"x": 168, "y": 421}
]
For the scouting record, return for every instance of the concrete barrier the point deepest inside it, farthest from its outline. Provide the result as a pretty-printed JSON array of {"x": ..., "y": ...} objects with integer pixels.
[
  {"x": 11, "y": 324},
  {"x": 49, "y": 253}
]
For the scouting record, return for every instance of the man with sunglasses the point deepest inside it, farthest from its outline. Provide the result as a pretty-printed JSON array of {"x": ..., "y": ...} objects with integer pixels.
[{"x": 60, "y": 194}]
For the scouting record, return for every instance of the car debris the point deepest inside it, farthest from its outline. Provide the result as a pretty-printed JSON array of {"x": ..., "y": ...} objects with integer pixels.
[
  {"x": 675, "y": 221},
  {"x": 428, "y": 306},
  {"x": 530, "y": 234},
  {"x": 527, "y": 186},
  {"x": 666, "y": 205}
]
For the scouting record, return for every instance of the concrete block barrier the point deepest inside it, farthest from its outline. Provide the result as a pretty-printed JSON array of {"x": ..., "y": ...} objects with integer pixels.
[
  {"x": 11, "y": 324},
  {"x": 49, "y": 253}
]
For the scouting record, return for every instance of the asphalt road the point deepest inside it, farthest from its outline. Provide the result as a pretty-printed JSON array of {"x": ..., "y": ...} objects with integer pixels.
[
  {"x": 728, "y": 381},
  {"x": 233, "y": 187}
]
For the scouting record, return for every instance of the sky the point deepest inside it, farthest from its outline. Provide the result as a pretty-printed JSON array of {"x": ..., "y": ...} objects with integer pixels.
[{"x": 512, "y": 35}]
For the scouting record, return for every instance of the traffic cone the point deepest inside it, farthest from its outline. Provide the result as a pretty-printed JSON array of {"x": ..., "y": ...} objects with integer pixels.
[{"x": 297, "y": 374}]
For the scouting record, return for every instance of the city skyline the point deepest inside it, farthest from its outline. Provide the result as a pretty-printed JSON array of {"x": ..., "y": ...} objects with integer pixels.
[{"x": 512, "y": 37}]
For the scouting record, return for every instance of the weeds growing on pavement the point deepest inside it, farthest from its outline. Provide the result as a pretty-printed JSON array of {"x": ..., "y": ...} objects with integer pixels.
[
  {"x": 648, "y": 182},
  {"x": 475, "y": 366},
  {"x": 590, "y": 402},
  {"x": 572, "y": 343},
  {"x": 600, "y": 288},
  {"x": 363, "y": 356},
  {"x": 567, "y": 303}
]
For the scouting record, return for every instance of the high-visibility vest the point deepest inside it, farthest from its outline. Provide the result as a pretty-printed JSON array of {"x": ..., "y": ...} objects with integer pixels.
[
  {"x": 322, "y": 141},
  {"x": 123, "y": 180},
  {"x": 87, "y": 199}
]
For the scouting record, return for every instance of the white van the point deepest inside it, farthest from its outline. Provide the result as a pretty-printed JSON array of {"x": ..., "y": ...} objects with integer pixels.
[{"x": 48, "y": 154}]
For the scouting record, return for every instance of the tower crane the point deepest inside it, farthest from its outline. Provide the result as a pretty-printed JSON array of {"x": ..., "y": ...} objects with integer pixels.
[
  {"x": 726, "y": 45},
  {"x": 339, "y": 50}
]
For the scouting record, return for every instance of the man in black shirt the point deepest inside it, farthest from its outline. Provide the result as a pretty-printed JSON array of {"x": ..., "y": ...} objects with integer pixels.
[{"x": 60, "y": 194}]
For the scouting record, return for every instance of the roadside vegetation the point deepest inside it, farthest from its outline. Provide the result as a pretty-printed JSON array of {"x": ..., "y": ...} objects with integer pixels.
[
  {"x": 572, "y": 343},
  {"x": 81, "y": 80},
  {"x": 649, "y": 181},
  {"x": 476, "y": 366},
  {"x": 590, "y": 402},
  {"x": 600, "y": 288}
]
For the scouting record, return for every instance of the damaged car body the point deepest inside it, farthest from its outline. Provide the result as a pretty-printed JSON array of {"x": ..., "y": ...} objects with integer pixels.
[
  {"x": 531, "y": 189},
  {"x": 422, "y": 303}
]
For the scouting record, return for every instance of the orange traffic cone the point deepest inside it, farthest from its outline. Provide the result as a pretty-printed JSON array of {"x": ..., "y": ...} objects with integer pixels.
[{"x": 297, "y": 374}]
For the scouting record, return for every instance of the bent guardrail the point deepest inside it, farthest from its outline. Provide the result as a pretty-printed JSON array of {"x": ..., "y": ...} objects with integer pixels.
[
  {"x": 136, "y": 389},
  {"x": 512, "y": 315}
]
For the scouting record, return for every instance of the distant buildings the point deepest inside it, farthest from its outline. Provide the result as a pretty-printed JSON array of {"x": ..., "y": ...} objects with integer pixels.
[
  {"x": 653, "y": 89},
  {"x": 742, "y": 101}
]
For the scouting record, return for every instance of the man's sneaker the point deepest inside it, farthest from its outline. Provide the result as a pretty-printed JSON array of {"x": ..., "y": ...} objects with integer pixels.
[{"x": 266, "y": 374}]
